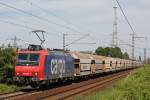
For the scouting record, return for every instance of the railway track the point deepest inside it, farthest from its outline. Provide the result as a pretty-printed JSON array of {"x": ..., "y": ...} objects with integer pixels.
[
  {"x": 83, "y": 89},
  {"x": 7, "y": 96},
  {"x": 67, "y": 92},
  {"x": 11, "y": 94}
]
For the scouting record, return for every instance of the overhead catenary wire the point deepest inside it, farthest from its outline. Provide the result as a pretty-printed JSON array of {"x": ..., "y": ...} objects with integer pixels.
[
  {"x": 24, "y": 26},
  {"x": 50, "y": 12},
  {"x": 38, "y": 17},
  {"x": 126, "y": 18},
  {"x": 131, "y": 27},
  {"x": 41, "y": 18},
  {"x": 12, "y": 23},
  {"x": 26, "y": 23},
  {"x": 53, "y": 14},
  {"x": 130, "y": 45},
  {"x": 19, "y": 39}
]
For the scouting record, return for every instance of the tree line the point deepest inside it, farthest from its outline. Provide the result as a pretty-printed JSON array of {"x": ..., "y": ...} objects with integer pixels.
[{"x": 111, "y": 52}]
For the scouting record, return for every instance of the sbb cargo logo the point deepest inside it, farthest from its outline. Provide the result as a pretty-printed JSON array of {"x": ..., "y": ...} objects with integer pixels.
[{"x": 57, "y": 66}]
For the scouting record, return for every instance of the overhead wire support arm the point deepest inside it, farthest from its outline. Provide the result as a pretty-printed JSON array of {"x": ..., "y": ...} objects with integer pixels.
[
  {"x": 77, "y": 40},
  {"x": 86, "y": 43}
]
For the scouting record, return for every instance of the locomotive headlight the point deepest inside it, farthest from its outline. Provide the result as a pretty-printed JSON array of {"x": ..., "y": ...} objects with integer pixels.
[
  {"x": 17, "y": 73},
  {"x": 36, "y": 74}
]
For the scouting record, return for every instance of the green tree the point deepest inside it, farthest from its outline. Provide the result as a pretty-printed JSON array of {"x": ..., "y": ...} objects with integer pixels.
[
  {"x": 100, "y": 51},
  {"x": 125, "y": 55},
  {"x": 7, "y": 61},
  {"x": 108, "y": 51},
  {"x": 118, "y": 52},
  {"x": 111, "y": 52}
]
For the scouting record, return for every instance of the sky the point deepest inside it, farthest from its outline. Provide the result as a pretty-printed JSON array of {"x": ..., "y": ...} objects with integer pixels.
[{"x": 76, "y": 18}]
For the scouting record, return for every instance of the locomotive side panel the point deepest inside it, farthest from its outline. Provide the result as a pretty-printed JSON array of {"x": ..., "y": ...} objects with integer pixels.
[{"x": 58, "y": 67}]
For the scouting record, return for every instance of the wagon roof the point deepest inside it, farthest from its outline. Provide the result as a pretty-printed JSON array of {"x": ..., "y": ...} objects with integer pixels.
[
  {"x": 78, "y": 55},
  {"x": 98, "y": 57}
]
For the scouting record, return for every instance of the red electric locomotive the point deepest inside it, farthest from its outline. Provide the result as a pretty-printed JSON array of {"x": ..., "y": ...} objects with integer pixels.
[
  {"x": 36, "y": 66},
  {"x": 29, "y": 65}
]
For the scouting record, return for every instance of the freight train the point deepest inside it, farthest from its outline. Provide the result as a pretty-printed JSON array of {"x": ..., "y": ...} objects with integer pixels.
[{"x": 36, "y": 66}]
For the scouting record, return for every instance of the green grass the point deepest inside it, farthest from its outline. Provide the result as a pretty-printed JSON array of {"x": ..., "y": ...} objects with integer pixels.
[
  {"x": 4, "y": 88},
  {"x": 135, "y": 87}
]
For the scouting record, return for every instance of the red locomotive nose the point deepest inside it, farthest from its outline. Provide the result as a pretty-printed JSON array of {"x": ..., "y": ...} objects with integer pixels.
[
  {"x": 27, "y": 64},
  {"x": 26, "y": 70},
  {"x": 30, "y": 63}
]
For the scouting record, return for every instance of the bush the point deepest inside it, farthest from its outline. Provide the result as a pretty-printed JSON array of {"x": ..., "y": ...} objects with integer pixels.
[
  {"x": 8, "y": 88},
  {"x": 7, "y": 61}
]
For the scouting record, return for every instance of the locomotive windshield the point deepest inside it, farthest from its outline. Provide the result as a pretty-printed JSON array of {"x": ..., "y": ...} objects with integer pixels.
[{"x": 28, "y": 59}]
